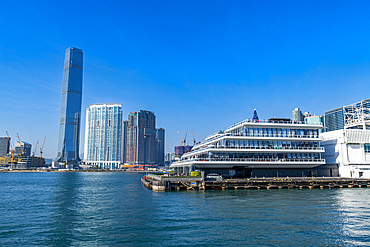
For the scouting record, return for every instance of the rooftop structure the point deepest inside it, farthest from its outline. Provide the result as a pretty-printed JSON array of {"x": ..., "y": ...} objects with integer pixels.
[{"x": 276, "y": 147}]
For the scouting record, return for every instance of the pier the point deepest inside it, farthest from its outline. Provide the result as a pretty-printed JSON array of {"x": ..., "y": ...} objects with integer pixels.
[{"x": 161, "y": 183}]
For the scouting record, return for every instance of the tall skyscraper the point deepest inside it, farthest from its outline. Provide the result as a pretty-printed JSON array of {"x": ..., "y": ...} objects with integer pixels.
[
  {"x": 297, "y": 115},
  {"x": 70, "y": 108},
  {"x": 103, "y": 136},
  {"x": 141, "y": 138},
  {"x": 159, "y": 147}
]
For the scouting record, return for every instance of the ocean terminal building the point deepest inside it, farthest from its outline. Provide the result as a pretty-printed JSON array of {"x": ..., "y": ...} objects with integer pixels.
[{"x": 273, "y": 148}]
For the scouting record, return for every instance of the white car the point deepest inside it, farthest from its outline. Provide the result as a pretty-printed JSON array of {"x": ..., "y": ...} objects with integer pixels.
[{"x": 214, "y": 175}]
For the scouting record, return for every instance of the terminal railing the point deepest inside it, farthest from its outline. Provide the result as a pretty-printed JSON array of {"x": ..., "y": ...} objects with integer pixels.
[
  {"x": 269, "y": 121},
  {"x": 254, "y": 159}
]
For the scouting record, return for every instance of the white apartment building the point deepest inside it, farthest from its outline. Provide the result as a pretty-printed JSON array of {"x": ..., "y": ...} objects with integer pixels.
[{"x": 103, "y": 136}]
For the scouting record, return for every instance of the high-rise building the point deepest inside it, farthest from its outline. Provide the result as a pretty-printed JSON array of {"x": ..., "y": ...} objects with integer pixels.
[
  {"x": 141, "y": 138},
  {"x": 4, "y": 146},
  {"x": 159, "y": 147},
  {"x": 70, "y": 108},
  {"x": 306, "y": 114},
  {"x": 338, "y": 118},
  {"x": 103, "y": 136},
  {"x": 297, "y": 115},
  {"x": 124, "y": 141},
  {"x": 22, "y": 148}
]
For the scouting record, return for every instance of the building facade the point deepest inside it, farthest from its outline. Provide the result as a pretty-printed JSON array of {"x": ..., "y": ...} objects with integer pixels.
[
  {"x": 337, "y": 118},
  {"x": 22, "y": 148},
  {"x": 103, "y": 136},
  {"x": 124, "y": 141},
  {"x": 297, "y": 115},
  {"x": 70, "y": 109},
  {"x": 316, "y": 120},
  {"x": 141, "y": 133},
  {"x": 4, "y": 146},
  {"x": 349, "y": 149},
  {"x": 264, "y": 148},
  {"x": 159, "y": 146}
]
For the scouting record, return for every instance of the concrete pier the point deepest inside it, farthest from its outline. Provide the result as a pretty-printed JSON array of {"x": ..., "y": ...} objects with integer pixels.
[{"x": 159, "y": 183}]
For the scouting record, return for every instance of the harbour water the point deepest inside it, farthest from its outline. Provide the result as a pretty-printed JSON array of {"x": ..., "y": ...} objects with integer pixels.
[{"x": 115, "y": 209}]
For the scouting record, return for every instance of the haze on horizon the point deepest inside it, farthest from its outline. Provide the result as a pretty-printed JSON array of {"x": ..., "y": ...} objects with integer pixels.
[{"x": 198, "y": 65}]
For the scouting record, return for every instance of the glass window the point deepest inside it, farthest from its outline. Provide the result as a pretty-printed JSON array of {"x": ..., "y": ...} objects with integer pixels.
[{"x": 367, "y": 147}]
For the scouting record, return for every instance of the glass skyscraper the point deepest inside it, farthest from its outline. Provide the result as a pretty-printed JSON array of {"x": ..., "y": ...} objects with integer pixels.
[
  {"x": 103, "y": 136},
  {"x": 70, "y": 109},
  {"x": 337, "y": 118}
]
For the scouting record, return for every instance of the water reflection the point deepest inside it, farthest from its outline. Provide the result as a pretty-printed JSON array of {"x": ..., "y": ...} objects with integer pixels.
[
  {"x": 353, "y": 204},
  {"x": 105, "y": 209}
]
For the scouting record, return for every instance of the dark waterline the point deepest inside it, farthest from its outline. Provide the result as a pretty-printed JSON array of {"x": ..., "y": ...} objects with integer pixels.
[{"x": 114, "y": 209}]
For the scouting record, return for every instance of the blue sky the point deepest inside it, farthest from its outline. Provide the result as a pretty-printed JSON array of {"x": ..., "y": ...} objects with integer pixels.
[{"x": 198, "y": 65}]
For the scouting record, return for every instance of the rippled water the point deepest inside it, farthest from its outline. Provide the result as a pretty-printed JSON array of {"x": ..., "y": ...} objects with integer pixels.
[{"x": 114, "y": 209}]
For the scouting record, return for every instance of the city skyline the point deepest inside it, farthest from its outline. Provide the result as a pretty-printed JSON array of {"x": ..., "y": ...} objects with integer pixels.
[{"x": 198, "y": 67}]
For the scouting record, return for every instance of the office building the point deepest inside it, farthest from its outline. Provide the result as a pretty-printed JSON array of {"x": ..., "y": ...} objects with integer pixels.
[
  {"x": 297, "y": 115},
  {"x": 337, "y": 118},
  {"x": 70, "y": 108},
  {"x": 169, "y": 159},
  {"x": 140, "y": 140},
  {"x": 159, "y": 147},
  {"x": 4, "y": 146},
  {"x": 103, "y": 136},
  {"x": 316, "y": 120},
  {"x": 22, "y": 148},
  {"x": 124, "y": 141},
  {"x": 306, "y": 114}
]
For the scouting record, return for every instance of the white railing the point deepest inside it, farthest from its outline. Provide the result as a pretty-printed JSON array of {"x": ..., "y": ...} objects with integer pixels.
[
  {"x": 274, "y": 135},
  {"x": 252, "y": 159},
  {"x": 271, "y": 121},
  {"x": 274, "y": 148}
]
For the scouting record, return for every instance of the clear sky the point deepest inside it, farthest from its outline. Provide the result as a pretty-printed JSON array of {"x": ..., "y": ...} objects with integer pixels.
[{"x": 198, "y": 65}]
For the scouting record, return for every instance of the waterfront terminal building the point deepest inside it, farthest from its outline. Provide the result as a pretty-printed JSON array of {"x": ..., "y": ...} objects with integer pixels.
[
  {"x": 350, "y": 150},
  {"x": 349, "y": 146},
  {"x": 273, "y": 148}
]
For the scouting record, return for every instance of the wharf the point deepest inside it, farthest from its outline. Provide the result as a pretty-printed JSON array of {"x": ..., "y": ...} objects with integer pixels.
[{"x": 159, "y": 183}]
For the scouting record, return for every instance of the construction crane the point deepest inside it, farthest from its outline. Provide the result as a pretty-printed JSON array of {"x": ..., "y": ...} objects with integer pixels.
[
  {"x": 193, "y": 138},
  {"x": 34, "y": 152},
  {"x": 185, "y": 137},
  {"x": 42, "y": 147},
  {"x": 181, "y": 140},
  {"x": 12, "y": 150},
  {"x": 20, "y": 143}
]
